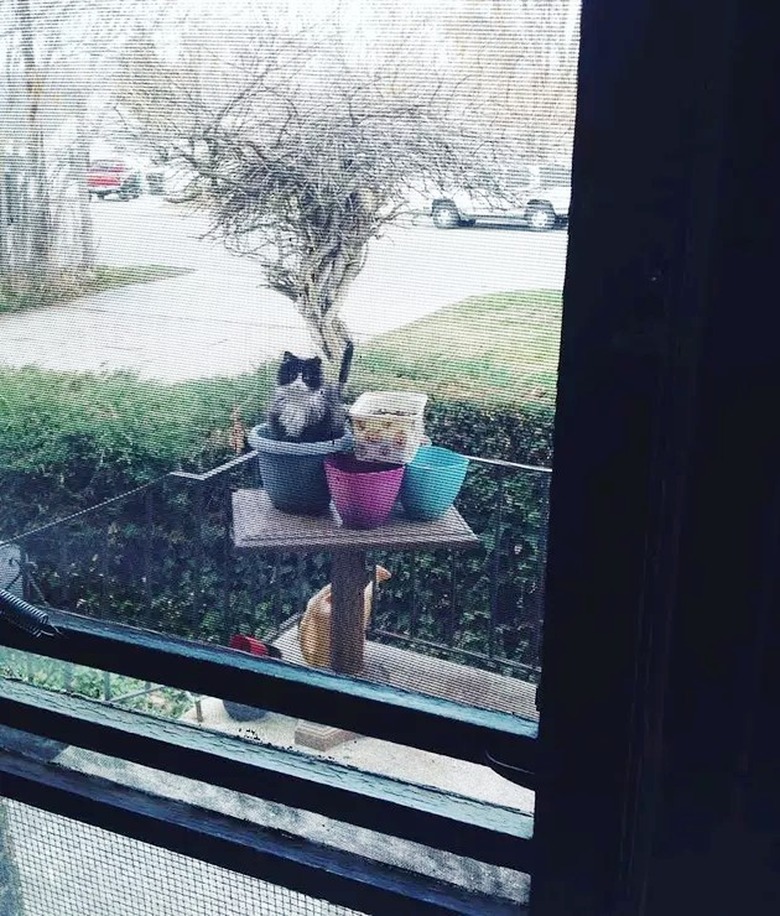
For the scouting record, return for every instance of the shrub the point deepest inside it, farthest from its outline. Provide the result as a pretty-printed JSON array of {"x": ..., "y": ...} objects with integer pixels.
[
  {"x": 162, "y": 558},
  {"x": 523, "y": 435},
  {"x": 69, "y": 441},
  {"x": 498, "y": 584}
]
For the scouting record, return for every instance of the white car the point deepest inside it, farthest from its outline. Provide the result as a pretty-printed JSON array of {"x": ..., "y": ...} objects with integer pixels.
[{"x": 536, "y": 196}]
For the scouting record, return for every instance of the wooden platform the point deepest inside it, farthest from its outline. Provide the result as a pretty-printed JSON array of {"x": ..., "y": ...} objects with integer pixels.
[{"x": 257, "y": 525}]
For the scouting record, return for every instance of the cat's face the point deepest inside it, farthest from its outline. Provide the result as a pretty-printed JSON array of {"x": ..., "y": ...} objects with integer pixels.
[{"x": 306, "y": 372}]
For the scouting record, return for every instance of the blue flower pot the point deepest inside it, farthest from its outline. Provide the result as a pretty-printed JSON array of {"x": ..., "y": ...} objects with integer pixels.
[
  {"x": 293, "y": 473},
  {"x": 432, "y": 481}
]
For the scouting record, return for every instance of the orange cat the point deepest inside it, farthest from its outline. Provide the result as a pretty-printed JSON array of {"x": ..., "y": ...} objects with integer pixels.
[{"x": 314, "y": 629}]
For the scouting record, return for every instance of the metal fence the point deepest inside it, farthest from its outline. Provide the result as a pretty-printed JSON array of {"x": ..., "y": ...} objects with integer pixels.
[{"x": 161, "y": 556}]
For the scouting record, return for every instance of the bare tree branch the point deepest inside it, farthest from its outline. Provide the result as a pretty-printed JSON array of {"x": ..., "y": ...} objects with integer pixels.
[{"x": 304, "y": 146}]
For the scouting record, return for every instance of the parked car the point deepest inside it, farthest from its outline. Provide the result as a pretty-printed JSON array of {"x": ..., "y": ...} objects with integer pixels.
[
  {"x": 536, "y": 196},
  {"x": 113, "y": 176},
  {"x": 155, "y": 181}
]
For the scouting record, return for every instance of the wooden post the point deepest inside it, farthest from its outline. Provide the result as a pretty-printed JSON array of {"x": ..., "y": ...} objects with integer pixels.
[{"x": 347, "y": 629}]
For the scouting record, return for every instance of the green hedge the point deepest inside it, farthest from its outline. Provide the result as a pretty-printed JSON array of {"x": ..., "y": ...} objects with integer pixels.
[
  {"x": 524, "y": 436},
  {"x": 67, "y": 442},
  {"x": 421, "y": 587}
]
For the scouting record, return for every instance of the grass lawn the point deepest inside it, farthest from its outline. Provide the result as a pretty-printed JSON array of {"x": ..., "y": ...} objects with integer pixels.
[
  {"x": 494, "y": 349},
  {"x": 74, "y": 283},
  {"x": 498, "y": 350}
]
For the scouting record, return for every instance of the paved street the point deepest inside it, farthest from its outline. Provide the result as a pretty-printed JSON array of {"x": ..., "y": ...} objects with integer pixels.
[{"x": 219, "y": 320}]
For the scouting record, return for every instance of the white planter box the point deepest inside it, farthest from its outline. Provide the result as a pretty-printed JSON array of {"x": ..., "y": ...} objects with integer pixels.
[{"x": 388, "y": 425}]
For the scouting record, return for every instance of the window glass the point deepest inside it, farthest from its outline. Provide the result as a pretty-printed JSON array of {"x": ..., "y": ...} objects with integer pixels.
[
  {"x": 379, "y": 191},
  {"x": 555, "y": 174}
]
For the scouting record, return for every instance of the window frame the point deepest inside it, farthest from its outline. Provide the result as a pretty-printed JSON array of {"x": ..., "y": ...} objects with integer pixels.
[
  {"x": 438, "y": 819},
  {"x": 640, "y": 305},
  {"x": 650, "y": 703},
  {"x": 340, "y": 877}
]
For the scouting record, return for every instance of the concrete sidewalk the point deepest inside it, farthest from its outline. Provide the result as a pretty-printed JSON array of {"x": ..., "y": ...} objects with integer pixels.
[
  {"x": 220, "y": 320},
  {"x": 194, "y": 326}
]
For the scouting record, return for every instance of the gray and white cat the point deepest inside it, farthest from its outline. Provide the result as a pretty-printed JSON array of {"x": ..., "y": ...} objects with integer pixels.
[{"x": 304, "y": 407}]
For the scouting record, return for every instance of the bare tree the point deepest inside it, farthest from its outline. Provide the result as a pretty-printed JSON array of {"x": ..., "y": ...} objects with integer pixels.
[
  {"x": 26, "y": 228},
  {"x": 303, "y": 155},
  {"x": 80, "y": 44},
  {"x": 521, "y": 60},
  {"x": 38, "y": 200},
  {"x": 56, "y": 58}
]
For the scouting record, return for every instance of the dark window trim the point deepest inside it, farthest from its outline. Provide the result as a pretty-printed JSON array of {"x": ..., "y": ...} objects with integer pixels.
[
  {"x": 660, "y": 651},
  {"x": 457, "y": 824},
  {"x": 297, "y": 864},
  {"x": 408, "y": 718}
]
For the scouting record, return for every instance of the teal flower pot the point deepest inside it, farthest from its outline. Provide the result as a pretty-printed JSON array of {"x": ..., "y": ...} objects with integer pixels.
[{"x": 432, "y": 481}]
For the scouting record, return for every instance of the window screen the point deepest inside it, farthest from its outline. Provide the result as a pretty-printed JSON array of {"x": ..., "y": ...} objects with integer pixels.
[
  {"x": 280, "y": 305},
  {"x": 58, "y": 865}
]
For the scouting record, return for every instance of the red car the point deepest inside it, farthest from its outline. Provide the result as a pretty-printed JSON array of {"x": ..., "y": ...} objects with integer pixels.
[{"x": 112, "y": 176}]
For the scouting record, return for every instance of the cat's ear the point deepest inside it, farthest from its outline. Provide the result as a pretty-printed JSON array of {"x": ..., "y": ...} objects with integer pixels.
[
  {"x": 317, "y": 360},
  {"x": 287, "y": 356}
]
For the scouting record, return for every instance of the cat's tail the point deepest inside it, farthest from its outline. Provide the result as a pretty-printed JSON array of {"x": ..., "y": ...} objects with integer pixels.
[{"x": 346, "y": 363}]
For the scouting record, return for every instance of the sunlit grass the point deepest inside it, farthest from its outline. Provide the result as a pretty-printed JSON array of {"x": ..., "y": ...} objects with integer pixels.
[{"x": 500, "y": 348}]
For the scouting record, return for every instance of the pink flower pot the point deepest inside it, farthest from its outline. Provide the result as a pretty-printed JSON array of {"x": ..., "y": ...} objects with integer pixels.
[{"x": 363, "y": 492}]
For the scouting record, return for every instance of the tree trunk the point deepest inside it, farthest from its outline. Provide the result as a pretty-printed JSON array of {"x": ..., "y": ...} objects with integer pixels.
[
  {"x": 14, "y": 226},
  {"x": 39, "y": 223},
  {"x": 4, "y": 224},
  {"x": 325, "y": 280},
  {"x": 86, "y": 226},
  {"x": 328, "y": 332}
]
